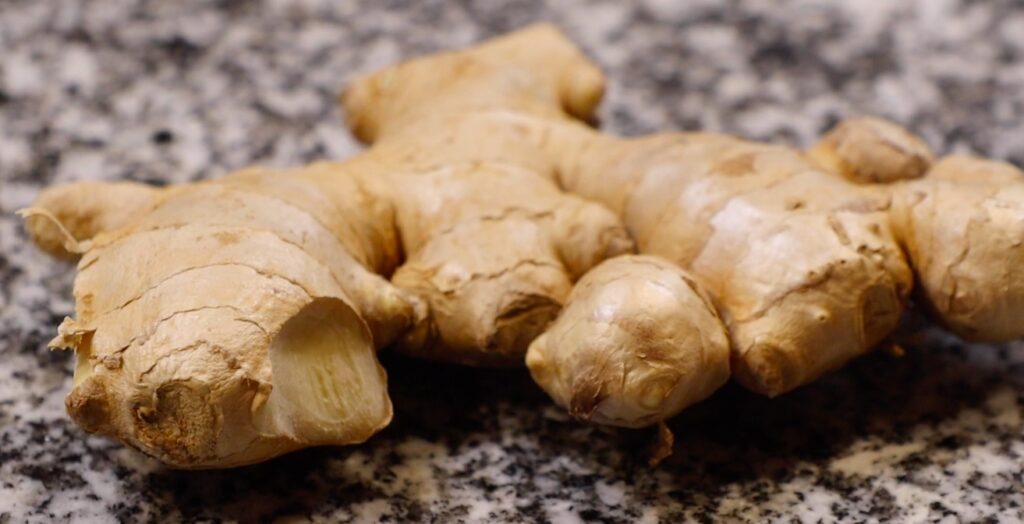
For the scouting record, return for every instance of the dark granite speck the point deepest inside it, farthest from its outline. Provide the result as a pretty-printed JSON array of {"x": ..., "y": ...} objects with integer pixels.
[{"x": 169, "y": 92}]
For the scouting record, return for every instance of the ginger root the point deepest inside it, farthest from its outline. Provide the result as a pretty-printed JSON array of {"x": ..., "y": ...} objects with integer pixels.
[{"x": 228, "y": 321}]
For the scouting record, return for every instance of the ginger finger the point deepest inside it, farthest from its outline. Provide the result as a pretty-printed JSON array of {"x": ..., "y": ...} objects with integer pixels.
[
  {"x": 963, "y": 228},
  {"x": 64, "y": 216},
  {"x": 872, "y": 150},
  {"x": 636, "y": 343}
]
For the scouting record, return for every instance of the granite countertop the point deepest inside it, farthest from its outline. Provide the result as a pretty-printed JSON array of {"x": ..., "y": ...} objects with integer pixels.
[{"x": 179, "y": 91}]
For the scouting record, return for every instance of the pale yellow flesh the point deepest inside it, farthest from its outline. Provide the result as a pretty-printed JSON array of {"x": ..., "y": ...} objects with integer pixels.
[{"x": 329, "y": 385}]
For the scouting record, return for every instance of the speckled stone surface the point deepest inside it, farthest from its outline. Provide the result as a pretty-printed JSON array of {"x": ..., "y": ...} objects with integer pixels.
[{"x": 177, "y": 91}]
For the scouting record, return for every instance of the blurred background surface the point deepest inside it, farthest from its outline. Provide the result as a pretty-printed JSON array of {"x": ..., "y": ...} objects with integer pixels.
[{"x": 169, "y": 92}]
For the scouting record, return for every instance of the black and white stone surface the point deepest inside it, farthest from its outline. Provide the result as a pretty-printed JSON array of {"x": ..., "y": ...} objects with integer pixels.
[{"x": 184, "y": 90}]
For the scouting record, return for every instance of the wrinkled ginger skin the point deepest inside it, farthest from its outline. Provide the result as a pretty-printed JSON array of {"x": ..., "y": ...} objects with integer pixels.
[
  {"x": 963, "y": 227},
  {"x": 636, "y": 342}
]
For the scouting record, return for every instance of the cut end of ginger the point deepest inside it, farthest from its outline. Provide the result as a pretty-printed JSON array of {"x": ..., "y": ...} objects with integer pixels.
[{"x": 328, "y": 387}]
